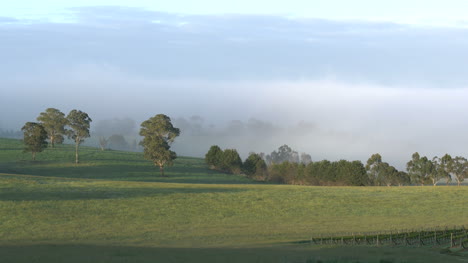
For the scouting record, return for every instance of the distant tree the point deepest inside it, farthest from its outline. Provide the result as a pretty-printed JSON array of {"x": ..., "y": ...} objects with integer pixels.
[
  {"x": 35, "y": 137},
  {"x": 106, "y": 128},
  {"x": 420, "y": 169},
  {"x": 444, "y": 163},
  {"x": 254, "y": 165},
  {"x": 103, "y": 142},
  {"x": 437, "y": 170},
  {"x": 214, "y": 157},
  {"x": 403, "y": 178},
  {"x": 284, "y": 154},
  {"x": 459, "y": 168},
  {"x": 134, "y": 145},
  {"x": 231, "y": 161},
  {"x": 306, "y": 158},
  {"x": 53, "y": 121},
  {"x": 117, "y": 142},
  {"x": 158, "y": 135},
  {"x": 350, "y": 173},
  {"x": 79, "y": 123},
  {"x": 374, "y": 169}
]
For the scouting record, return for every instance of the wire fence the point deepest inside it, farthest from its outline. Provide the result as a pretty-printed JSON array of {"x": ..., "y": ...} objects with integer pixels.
[{"x": 452, "y": 237}]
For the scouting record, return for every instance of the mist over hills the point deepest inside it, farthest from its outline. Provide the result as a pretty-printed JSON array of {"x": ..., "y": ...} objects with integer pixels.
[{"x": 335, "y": 89}]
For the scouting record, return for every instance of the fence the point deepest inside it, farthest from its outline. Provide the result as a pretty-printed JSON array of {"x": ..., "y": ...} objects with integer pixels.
[{"x": 453, "y": 237}]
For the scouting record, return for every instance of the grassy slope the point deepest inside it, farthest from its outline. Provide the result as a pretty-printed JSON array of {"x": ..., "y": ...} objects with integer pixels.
[{"x": 58, "y": 202}]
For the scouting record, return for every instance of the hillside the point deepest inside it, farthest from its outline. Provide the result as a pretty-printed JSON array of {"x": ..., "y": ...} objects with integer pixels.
[{"x": 117, "y": 199}]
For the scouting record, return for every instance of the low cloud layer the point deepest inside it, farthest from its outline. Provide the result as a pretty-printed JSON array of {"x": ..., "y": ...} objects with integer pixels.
[{"x": 334, "y": 89}]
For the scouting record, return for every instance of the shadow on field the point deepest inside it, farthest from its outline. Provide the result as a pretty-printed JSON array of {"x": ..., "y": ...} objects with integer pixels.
[
  {"x": 82, "y": 193},
  {"x": 90, "y": 253},
  {"x": 141, "y": 171}
]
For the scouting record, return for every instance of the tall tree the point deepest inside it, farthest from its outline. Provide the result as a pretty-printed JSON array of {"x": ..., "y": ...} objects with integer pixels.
[
  {"x": 53, "y": 121},
  {"x": 103, "y": 142},
  {"x": 459, "y": 168},
  {"x": 420, "y": 169},
  {"x": 35, "y": 137},
  {"x": 445, "y": 166},
  {"x": 79, "y": 123},
  {"x": 374, "y": 169},
  {"x": 117, "y": 142},
  {"x": 438, "y": 170},
  {"x": 158, "y": 135}
]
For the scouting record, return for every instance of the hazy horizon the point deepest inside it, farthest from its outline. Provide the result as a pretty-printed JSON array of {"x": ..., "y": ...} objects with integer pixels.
[{"x": 332, "y": 87}]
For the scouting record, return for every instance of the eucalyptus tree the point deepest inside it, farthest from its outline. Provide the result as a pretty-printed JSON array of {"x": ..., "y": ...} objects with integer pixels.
[
  {"x": 158, "y": 135},
  {"x": 79, "y": 123},
  {"x": 374, "y": 169},
  {"x": 444, "y": 163},
  {"x": 103, "y": 142},
  {"x": 389, "y": 174},
  {"x": 34, "y": 139},
  {"x": 53, "y": 121},
  {"x": 420, "y": 169},
  {"x": 459, "y": 168},
  {"x": 437, "y": 172}
]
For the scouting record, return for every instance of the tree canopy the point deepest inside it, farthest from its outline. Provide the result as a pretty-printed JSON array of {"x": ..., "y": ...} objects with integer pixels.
[
  {"x": 35, "y": 137},
  {"x": 214, "y": 157},
  {"x": 53, "y": 121},
  {"x": 158, "y": 135},
  {"x": 79, "y": 123}
]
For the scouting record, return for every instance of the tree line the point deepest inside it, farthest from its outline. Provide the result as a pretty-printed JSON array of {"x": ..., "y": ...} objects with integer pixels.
[{"x": 287, "y": 166}]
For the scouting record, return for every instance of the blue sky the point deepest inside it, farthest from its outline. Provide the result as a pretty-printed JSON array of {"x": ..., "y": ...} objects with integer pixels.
[{"x": 419, "y": 12}]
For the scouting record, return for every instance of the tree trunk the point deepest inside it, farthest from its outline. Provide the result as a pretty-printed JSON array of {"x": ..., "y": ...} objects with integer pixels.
[
  {"x": 458, "y": 182},
  {"x": 161, "y": 169},
  {"x": 434, "y": 182},
  {"x": 34, "y": 156},
  {"x": 76, "y": 151},
  {"x": 52, "y": 141}
]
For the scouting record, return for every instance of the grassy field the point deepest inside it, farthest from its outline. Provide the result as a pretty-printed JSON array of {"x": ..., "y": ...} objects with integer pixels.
[{"x": 114, "y": 207}]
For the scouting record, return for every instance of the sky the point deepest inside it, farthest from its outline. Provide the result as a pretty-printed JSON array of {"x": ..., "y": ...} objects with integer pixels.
[
  {"x": 419, "y": 12},
  {"x": 335, "y": 79}
]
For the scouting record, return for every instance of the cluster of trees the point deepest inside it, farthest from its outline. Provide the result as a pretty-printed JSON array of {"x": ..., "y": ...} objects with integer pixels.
[
  {"x": 424, "y": 170},
  {"x": 286, "y": 154},
  {"x": 53, "y": 126},
  {"x": 287, "y": 166},
  {"x": 229, "y": 161}
]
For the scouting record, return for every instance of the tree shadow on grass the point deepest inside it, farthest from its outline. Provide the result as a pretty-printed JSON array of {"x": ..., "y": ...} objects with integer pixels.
[
  {"x": 83, "y": 193},
  {"x": 139, "y": 171},
  {"x": 95, "y": 253}
]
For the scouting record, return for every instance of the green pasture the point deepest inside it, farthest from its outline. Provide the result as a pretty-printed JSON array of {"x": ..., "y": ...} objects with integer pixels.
[{"x": 114, "y": 207}]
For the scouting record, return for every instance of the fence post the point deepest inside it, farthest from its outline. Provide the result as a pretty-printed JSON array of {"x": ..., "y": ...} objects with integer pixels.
[{"x": 451, "y": 240}]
